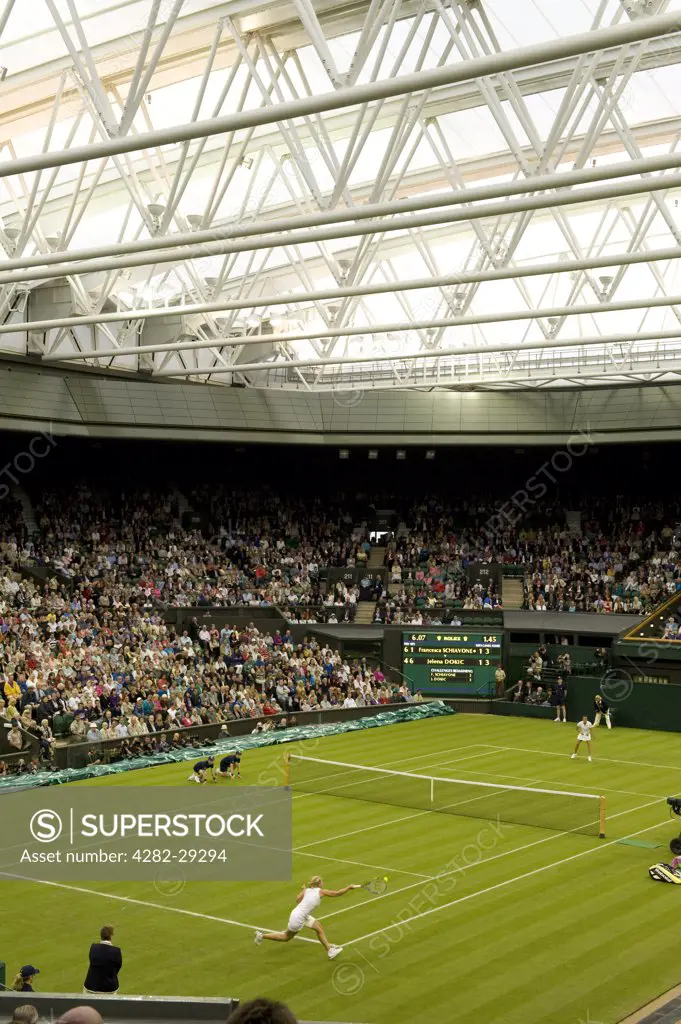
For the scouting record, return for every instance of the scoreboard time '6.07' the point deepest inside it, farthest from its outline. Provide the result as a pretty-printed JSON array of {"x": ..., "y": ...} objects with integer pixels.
[{"x": 450, "y": 660}]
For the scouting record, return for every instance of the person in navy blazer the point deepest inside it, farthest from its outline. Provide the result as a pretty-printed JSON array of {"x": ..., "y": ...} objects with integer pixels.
[{"x": 106, "y": 961}]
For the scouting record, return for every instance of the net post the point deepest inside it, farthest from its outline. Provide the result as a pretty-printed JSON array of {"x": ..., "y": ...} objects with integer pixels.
[
  {"x": 287, "y": 769},
  {"x": 601, "y": 817}
]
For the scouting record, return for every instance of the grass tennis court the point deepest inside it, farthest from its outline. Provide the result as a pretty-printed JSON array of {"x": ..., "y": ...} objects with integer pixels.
[{"x": 524, "y": 924}]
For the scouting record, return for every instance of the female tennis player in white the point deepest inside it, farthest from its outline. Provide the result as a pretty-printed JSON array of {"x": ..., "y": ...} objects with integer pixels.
[
  {"x": 584, "y": 735},
  {"x": 307, "y": 900}
]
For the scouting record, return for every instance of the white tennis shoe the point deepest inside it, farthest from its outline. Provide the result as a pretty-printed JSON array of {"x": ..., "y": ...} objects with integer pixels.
[
  {"x": 334, "y": 951},
  {"x": 258, "y": 938}
]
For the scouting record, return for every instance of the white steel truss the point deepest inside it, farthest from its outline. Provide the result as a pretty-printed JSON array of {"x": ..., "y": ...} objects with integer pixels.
[{"x": 397, "y": 194}]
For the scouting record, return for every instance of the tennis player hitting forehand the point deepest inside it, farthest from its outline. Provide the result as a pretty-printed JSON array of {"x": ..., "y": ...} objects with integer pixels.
[{"x": 307, "y": 900}]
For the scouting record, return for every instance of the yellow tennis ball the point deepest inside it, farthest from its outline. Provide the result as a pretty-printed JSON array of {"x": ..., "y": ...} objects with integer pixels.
[{"x": 385, "y": 878}]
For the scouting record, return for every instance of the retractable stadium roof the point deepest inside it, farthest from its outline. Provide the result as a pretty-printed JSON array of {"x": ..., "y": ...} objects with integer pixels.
[{"x": 337, "y": 196}]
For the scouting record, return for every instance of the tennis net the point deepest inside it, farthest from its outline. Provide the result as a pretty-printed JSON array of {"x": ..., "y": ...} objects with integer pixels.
[{"x": 518, "y": 805}]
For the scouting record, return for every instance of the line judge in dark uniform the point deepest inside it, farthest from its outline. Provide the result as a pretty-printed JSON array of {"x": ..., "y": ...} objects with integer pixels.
[{"x": 106, "y": 961}]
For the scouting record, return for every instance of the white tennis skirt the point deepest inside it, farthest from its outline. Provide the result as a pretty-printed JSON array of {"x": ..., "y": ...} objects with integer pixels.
[{"x": 296, "y": 921}]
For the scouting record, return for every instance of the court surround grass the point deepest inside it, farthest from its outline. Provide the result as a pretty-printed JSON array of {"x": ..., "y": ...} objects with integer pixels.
[{"x": 481, "y": 921}]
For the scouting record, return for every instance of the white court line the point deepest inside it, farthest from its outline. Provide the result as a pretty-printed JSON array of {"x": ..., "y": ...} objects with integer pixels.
[
  {"x": 296, "y": 850},
  {"x": 403, "y": 760},
  {"x": 479, "y": 863},
  {"x": 367, "y": 828},
  {"x": 211, "y": 917},
  {"x": 241, "y": 924},
  {"x": 553, "y": 782},
  {"x": 361, "y": 864},
  {"x": 381, "y": 824},
  {"x": 433, "y": 753},
  {"x": 550, "y": 782},
  {"x": 430, "y": 778},
  {"x": 443, "y": 874},
  {"x": 611, "y": 760},
  {"x": 409, "y": 817},
  {"x": 141, "y": 903},
  {"x": 510, "y": 881},
  {"x": 439, "y": 764},
  {"x": 455, "y": 760}
]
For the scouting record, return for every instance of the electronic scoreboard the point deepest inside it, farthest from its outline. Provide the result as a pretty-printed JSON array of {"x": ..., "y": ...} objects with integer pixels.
[{"x": 452, "y": 661}]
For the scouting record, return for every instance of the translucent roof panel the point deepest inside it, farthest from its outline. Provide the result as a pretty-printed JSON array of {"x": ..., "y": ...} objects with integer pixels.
[{"x": 408, "y": 241}]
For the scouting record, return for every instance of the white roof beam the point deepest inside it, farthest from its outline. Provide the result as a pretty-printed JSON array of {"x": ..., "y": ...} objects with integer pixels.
[
  {"x": 571, "y": 46},
  {"x": 447, "y": 280},
  {"x": 301, "y": 229},
  {"x": 508, "y": 316}
]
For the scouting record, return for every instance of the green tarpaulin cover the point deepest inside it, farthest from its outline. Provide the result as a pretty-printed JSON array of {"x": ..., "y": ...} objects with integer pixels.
[{"x": 410, "y": 713}]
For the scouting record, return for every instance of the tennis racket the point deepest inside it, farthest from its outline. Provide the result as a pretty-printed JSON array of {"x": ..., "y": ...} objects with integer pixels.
[{"x": 377, "y": 886}]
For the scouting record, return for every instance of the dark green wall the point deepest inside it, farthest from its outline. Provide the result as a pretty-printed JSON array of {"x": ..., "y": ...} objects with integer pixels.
[
  {"x": 265, "y": 619},
  {"x": 643, "y": 705},
  {"x": 515, "y": 709},
  {"x": 517, "y": 657},
  {"x": 640, "y": 705},
  {"x": 646, "y": 652}
]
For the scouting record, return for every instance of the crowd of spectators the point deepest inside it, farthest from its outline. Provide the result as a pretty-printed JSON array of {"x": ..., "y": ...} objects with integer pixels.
[
  {"x": 133, "y": 546},
  {"x": 121, "y": 555},
  {"x": 434, "y": 599},
  {"x": 426, "y": 560},
  {"x": 116, "y": 671},
  {"x": 247, "y": 548},
  {"x": 339, "y": 604},
  {"x": 259, "y": 549},
  {"x": 623, "y": 556},
  {"x": 627, "y": 558}
]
